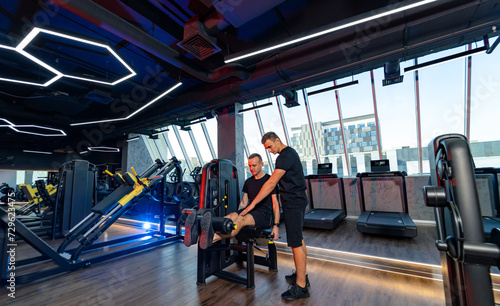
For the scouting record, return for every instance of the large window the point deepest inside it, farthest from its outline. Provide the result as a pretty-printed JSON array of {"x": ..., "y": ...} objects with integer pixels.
[
  {"x": 443, "y": 97},
  {"x": 189, "y": 147},
  {"x": 485, "y": 110},
  {"x": 298, "y": 124},
  {"x": 358, "y": 117},
  {"x": 174, "y": 143},
  {"x": 211, "y": 126},
  {"x": 397, "y": 121},
  {"x": 270, "y": 121},
  {"x": 162, "y": 146},
  {"x": 327, "y": 126},
  {"x": 252, "y": 131},
  {"x": 202, "y": 142},
  {"x": 155, "y": 149}
]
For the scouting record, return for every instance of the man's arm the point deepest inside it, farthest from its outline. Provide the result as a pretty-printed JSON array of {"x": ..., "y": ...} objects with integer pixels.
[
  {"x": 266, "y": 189},
  {"x": 244, "y": 201},
  {"x": 276, "y": 210}
]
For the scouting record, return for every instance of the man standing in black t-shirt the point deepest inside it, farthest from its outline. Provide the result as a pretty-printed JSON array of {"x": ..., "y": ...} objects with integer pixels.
[
  {"x": 292, "y": 187},
  {"x": 262, "y": 214}
]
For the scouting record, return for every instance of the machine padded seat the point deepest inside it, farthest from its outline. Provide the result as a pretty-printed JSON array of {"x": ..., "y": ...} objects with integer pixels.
[
  {"x": 252, "y": 232},
  {"x": 323, "y": 218},
  {"x": 386, "y": 223},
  {"x": 109, "y": 202}
]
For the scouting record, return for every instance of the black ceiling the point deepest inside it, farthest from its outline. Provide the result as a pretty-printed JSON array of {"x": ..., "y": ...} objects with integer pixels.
[{"x": 153, "y": 36}]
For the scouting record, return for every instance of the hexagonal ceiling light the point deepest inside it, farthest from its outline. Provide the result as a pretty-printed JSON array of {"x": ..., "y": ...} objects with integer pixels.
[
  {"x": 57, "y": 74},
  {"x": 20, "y": 48},
  {"x": 24, "y": 128}
]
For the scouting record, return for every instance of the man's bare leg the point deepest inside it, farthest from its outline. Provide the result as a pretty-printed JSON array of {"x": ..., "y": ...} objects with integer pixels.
[
  {"x": 240, "y": 222},
  {"x": 300, "y": 259}
]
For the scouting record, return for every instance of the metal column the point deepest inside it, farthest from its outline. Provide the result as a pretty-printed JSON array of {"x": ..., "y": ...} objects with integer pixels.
[
  {"x": 209, "y": 141},
  {"x": 261, "y": 129},
  {"x": 376, "y": 116},
  {"x": 419, "y": 126},
  {"x": 181, "y": 144},
  {"x": 341, "y": 120}
]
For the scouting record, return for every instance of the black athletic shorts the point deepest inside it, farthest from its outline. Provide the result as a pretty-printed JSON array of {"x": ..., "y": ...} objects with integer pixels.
[
  {"x": 293, "y": 214},
  {"x": 262, "y": 217},
  {"x": 294, "y": 222}
]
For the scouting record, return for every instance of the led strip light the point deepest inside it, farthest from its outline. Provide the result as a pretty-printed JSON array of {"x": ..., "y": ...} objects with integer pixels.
[
  {"x": 233, "y": 58},
  {"x": 17, "y": 128},
  {"x": 134, "y": 113},
  {"x": 20, "y": 48}
]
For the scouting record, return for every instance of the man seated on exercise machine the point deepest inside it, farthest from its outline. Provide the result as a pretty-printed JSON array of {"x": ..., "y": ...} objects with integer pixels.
[{"x": 261, "y": 215}]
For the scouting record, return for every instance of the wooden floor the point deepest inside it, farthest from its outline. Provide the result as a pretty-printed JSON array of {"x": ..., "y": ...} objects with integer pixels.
[
  {"x": 346, "y": 238},
  {"x": 167, "y": 276}
]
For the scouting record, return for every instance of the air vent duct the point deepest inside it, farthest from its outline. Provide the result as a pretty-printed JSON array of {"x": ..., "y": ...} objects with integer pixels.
[
  {"x": 196, "y": 40},
  {"x": 99, "y": 96}
]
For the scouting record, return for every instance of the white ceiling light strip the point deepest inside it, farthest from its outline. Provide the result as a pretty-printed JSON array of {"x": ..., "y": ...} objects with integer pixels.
[
  {"x": 15, "y": 128},
  {"x": 133, "y": 138},
  {"x": 229, "y": 59},
  {"x": 24, "y": 43},
  {"x": 57, "y": 76},
  {"x": 6, "y": 121},
  {"x": 134, "y": 113},
  {"x": 104, "y": 149},
  {"x": 37, "y": 152},
  {"x": 32, "y": 35},
  {"x": 18, "y": 128}
]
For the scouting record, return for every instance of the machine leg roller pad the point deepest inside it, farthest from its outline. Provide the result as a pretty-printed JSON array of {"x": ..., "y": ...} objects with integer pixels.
[
  {"x": 207, "y": 232},
  {"x": 191, "y": 230}
]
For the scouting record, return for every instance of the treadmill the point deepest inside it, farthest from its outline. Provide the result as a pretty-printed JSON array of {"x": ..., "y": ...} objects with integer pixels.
[
  {"x": 325, "y": 190},
  {"x": 387, "y": 223},
  {"x": 491, "y": 219}
]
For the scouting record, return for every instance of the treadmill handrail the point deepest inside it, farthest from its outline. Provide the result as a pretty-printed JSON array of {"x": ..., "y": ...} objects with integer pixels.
[
  {"x": 382, "y": 174},
  {"x": 316, "y": 176},
  {"x": 489, "y": 170}
]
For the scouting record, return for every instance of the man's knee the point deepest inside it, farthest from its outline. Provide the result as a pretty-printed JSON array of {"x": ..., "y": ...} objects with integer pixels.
[
  {"x": 232, "y": 216},
  {"x": 246, "y": 220}
]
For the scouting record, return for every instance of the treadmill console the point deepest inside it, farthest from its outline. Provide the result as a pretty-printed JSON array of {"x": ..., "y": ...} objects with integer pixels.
[
  {"x": 325, "y": 168},
  {"x": 381, "y": 165}
]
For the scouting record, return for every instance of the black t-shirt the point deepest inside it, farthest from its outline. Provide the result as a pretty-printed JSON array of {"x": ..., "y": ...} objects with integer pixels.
[
  {"x": 292, "y": 184},
  {"x": 252, "y": 188}
]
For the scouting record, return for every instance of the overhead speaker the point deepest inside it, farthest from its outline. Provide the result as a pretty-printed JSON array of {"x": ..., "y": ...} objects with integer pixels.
[
  {"x": 392, "y": 73},
  {"x": 291, "y": 99}
]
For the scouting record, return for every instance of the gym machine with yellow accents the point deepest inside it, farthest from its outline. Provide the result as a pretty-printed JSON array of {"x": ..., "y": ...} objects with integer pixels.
[
  {"x": 35, "y": 203},
  {"x": 86, "y": 232}
]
